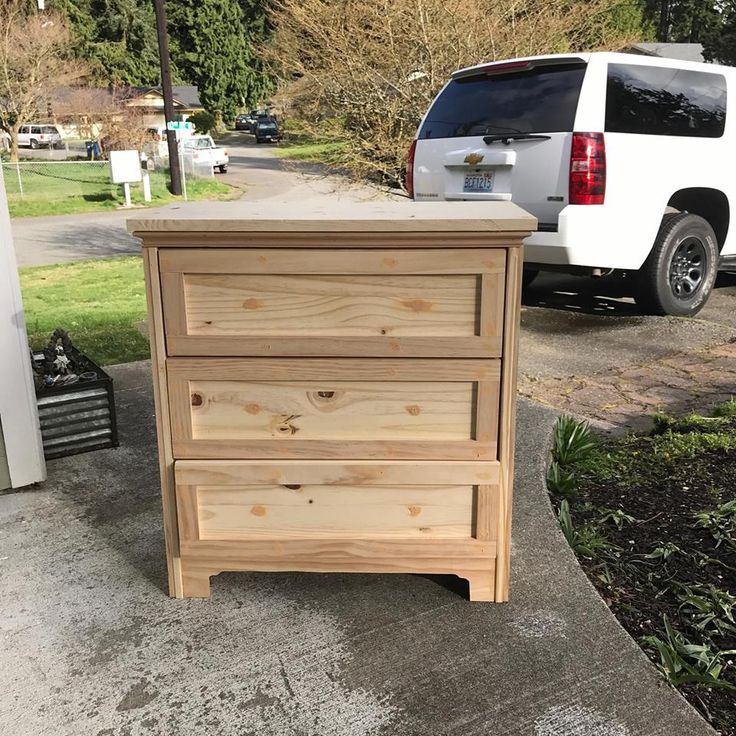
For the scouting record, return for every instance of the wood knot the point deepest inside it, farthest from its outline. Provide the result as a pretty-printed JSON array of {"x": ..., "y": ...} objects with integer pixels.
[
  {"x": 258, "y": 511},
  {"x": 325, "y": 394},
  {"x": 418, "y": 305},
  {"x": 415, "y": 510},
  {"x": 252, "y": 304},
  {"x": 413, "y": 409},
  {"x": 252, "y": 408},
  {"x": 390, "y": 262},
  {"x": 197, "y": 400},
  {"x": 292, "y": 486}
]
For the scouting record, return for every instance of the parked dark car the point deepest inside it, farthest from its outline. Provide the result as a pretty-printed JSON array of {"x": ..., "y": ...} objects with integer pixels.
[
  {"x": 267, "y": 131},
  {"x": 243, "y": 122}
]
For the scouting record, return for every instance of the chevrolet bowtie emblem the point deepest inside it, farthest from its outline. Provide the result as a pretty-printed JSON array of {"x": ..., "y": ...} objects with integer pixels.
[{"x": 473, "y": 158}]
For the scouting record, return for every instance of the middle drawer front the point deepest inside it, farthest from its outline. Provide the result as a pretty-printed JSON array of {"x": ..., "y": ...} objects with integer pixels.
[{"x": 321, "y": 408}]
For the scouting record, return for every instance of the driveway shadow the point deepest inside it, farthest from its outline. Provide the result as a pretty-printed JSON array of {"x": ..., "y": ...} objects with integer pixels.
[{"x": 607, "y": 296}]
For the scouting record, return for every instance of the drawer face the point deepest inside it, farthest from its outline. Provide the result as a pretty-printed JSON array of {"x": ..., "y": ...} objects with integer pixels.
[
  {"x": 350, "y": 501},
  {"x": 354, "y": 303},
  {"x": 337, "y": 408},
  {"x": 334, "y": 511},
  {"x": 330, "y": 306}
]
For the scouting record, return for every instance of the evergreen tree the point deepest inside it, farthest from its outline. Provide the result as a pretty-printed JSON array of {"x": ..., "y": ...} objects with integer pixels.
[
  {"x": 117, "y": 38},
  {"x": 214, "y": 42}
]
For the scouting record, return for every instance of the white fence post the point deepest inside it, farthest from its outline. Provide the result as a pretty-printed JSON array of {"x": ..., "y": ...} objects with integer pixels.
[
  {"x": 20, "y": 180},
  {"x": 183, "y": 173}
]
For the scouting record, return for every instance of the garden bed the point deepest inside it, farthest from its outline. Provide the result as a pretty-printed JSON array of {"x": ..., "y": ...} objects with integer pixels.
[{"x": 652, "y": 518}]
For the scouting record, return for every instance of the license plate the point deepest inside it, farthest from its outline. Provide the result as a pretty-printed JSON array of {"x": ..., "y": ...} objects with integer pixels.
[{"x": 482, "y": 182}]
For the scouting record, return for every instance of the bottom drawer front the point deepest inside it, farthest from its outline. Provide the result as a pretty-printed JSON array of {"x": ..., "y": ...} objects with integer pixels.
[
  {"x": 246, "y": 500},
  {"x": 335, "y": 511}
]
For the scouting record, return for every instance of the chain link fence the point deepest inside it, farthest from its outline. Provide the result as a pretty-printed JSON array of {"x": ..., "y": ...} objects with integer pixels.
[{"x": 54, "y": 187}]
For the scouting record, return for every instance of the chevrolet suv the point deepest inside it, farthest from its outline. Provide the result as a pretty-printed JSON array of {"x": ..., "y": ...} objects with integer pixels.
[{"x": 626, "y": 161}]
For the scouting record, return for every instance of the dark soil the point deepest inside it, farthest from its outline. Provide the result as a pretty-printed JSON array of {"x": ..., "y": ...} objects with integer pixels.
[{"x": 663, "y": 481}]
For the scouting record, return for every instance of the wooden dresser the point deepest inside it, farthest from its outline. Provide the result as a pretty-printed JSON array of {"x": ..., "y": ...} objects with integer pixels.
[{"x": 335, "y": 391}]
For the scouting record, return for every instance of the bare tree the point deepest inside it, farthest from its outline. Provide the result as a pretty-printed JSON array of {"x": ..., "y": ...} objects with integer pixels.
[
  {"x": 33, "y": 62},
  {"x": 368, "y": 70}
]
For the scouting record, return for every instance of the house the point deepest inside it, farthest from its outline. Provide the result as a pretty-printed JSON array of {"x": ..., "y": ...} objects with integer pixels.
[
  {"x": 150, "y": 101},
  {"x": 84, "y": 112}
]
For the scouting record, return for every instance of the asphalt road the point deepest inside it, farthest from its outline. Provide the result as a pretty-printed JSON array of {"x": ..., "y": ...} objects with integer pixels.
[{"x": 571, "y": 326}]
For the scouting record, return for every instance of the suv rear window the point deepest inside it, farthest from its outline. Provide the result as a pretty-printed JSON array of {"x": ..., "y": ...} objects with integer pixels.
[
  {"x": 539, "y": 100},
  {"x": 653, "y": 100}
]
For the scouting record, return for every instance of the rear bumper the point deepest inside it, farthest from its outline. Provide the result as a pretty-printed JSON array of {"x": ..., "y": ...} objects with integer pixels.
[{"x": 594, "y": 236}]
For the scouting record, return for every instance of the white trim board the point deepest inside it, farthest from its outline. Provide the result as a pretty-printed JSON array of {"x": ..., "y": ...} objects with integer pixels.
[{"x": 18, "y": 411}]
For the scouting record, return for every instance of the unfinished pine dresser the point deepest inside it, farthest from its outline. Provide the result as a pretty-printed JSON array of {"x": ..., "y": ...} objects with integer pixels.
[{"x": 335, "y": 390}]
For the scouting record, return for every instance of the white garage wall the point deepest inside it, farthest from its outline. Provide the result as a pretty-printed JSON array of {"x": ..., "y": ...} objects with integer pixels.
[{"x": 18, "y": 413}]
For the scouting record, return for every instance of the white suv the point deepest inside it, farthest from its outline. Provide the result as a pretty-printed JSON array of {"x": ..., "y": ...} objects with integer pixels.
[
  {"x": 36, "y": 136},
  {"x": 626, "y": 161}
]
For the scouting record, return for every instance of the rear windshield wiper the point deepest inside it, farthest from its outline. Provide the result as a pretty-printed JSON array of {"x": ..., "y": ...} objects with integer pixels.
[{"x": 506, "y": 138}]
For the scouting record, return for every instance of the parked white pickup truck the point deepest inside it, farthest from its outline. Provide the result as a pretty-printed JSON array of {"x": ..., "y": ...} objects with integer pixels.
[{"x": 202, "y": 149}]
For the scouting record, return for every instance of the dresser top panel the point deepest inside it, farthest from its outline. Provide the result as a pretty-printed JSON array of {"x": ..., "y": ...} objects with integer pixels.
[{"x": 460, "y": 218}]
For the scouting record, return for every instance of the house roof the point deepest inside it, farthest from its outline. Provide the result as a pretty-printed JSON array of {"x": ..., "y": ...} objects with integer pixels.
[
  {"x": 186, "y": 95},
  {"x": 681, "y": 51}
]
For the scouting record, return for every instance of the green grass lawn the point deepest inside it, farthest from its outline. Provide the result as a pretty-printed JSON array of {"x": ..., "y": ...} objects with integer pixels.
[
  {"x": 98, "y": 302},
  {"x": 321, "y": 152},
  {"x": 62, "y": 188}
]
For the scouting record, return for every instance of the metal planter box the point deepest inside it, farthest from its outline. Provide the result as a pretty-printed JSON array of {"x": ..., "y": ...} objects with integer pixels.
[{"x": 78, "y": 417}]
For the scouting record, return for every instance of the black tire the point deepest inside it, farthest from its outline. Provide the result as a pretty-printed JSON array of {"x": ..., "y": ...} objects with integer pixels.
[
  {"x": 681, "y": 268},
  {"x": 528, "y": 276},
  {"x": 34, "y": 143},
  {"x": 223, "y": 169}
]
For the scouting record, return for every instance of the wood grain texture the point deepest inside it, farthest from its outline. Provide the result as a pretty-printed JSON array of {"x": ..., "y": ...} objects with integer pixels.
[
  {"x": 333, "y": 410},
  {"x": 334, "y": 512},
  {"x": 331, "y": 261},
  {"x": 187, "y": 449},
  {"x": 319, "y": 369},
  {"x": 330, "y": 306},
  {"x": 373, "y": 217},
  {"x": 302, "y": 408},
  {"x": 348, "y": 347},
  {"x": 163, "y": 420},
  {"x": 507, "y": 417},
  {"x": 341, "y": 472},
  {"x": 296, "y": 303},
  {"x": 340, "y": 555}
]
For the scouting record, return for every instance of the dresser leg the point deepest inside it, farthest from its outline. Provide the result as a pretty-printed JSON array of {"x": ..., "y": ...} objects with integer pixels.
[
  {"x": 195, "y": 584},
  {"x": 482, "y": 585}
]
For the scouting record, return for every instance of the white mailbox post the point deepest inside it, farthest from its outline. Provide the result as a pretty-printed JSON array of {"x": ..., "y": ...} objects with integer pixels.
[{"x": 125, "y": 169}]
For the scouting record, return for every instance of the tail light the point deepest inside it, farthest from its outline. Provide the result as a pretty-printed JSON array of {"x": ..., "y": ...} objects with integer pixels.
[
  {"x": 588, "y": 169},
  {"x": 410, "y": 169}
]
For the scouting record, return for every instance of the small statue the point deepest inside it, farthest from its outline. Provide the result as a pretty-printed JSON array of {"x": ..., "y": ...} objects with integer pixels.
[{"x": 57, "y": 366}]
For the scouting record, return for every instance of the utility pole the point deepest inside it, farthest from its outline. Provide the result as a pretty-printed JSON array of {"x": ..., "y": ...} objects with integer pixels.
[{"x": 163, "y": 52}]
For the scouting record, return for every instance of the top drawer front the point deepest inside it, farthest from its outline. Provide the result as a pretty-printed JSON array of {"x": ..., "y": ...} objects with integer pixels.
[{"x": 379, "y": 303}]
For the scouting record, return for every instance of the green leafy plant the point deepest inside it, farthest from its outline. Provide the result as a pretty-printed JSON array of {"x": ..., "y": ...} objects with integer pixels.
[
  {"x": 726, "y": 409},
  {"x": 585, "y": 540},
  {"x": 572, "y": 440},
  {"x": 720, "y": 522},
  {"x": 710, "y": 609},
  {"x": 617, "y": 516},
  {"x": 682, "y": 662},
  {"x": 663, "y": 552},
  {"x": 560, "y": 480}
]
